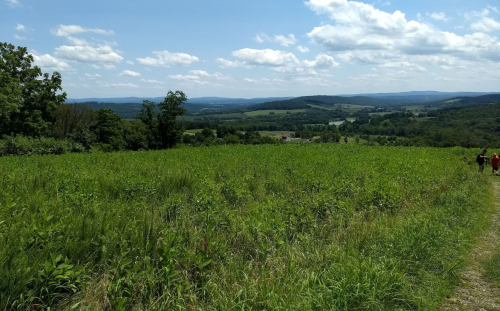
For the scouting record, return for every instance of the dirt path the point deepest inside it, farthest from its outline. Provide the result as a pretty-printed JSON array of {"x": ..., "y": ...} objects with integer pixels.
[{"x": 476, "y": 292}]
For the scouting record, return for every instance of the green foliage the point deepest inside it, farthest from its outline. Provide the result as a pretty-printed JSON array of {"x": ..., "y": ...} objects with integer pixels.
[
  {"x": 169, "y": 129},
  {"x": 20, "y": 145},
  {"x": 28, "y": 98},
  {"x": 290, "y": 227},
  {"x": 108, "y": 129}
]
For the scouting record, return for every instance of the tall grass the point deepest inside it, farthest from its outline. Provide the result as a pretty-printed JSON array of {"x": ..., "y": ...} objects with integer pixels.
[{"x": 294, "y": 227}]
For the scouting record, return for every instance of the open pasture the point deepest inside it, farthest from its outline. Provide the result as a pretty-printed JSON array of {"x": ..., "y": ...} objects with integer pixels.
[{"x": 290, "y": 227}]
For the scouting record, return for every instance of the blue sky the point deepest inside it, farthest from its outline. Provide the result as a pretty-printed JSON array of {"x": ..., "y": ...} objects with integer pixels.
[{"x": 259, "y": 48}]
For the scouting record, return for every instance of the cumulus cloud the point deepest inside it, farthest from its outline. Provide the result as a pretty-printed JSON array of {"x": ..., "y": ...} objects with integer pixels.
[
  {"x": 184, "y": 77},
  {"x": 127, "y": 85},
  {"x": 438, "y": 16},
  {"x": 20, "y": 27},
  {"x": 92, "y": 76},
  {"x": 188, "y": 79},
  {"x": 480, "y": 20},
  {"x": 130, "y": 73},
  {"x": 224, "y": 63},
  {"x": 19, "y": 37},
  {"x": 302, "y": 49},
  {"x": 281, "y": 39},
  {"x": 109, "y": 66},
  {"x": 48, "y": 62},
  {"x": 360, "y": 26},
  {"x": 83, "y": 51},
  {"x": 88, "y": 53},
  {"x": 403, "y": 65},
  {"x": 285, "y": 41},
  {"x": 262, "y": 37},
  {"x": 250, "y": 80},
  {"x": 322, "y": 61},
  {"x": 68, "y": 30},
  {"x": 151, "y": 81},
  {"x": 200, "y": 73},
  {"x": 265, "y": 57},
  {"x": 166, "y": 59}
]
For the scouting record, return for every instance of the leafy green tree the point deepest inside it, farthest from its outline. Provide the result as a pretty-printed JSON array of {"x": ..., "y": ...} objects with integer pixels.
[
  {"x": 169, "y": 129},
  {"x": 108, "y": 130},
  {"x": 28, "y": 99},
  {"x": 148, "y": 117},
  {"x": 135, "y": 135},
  {"x": 72, "y": 118}
]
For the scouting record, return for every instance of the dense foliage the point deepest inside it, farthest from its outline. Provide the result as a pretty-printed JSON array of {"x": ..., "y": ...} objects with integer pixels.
[
  {"x": 28, "y": 99},
  {"x": 290, "y": 227},
  {"x": 470, "y": 127}
]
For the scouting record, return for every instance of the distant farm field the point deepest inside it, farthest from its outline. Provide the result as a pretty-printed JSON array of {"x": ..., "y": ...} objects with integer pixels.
[
  {"x": 268, "y": 112},
  {"x": 286, "y": 227}
]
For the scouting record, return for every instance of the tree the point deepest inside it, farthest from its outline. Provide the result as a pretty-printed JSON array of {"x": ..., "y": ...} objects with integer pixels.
[
  {"x": 148, "y": 117},
  {"x": 27, "y": 102},
  {"x": 108, "y": 130},
  {"x": 169, "y": 129},
  {"x": 71, "y": 118}
]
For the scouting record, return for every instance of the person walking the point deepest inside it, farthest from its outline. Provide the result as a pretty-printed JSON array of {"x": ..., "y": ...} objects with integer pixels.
[
  {"x": 480, "y": 160},
  {"x": 494, "y": 163}
]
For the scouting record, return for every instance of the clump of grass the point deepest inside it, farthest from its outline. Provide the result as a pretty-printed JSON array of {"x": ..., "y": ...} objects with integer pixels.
[{"x": 492, "y": 267}]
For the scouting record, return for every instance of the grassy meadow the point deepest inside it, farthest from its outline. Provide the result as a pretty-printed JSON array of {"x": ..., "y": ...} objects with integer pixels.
[{"x": 289, "y": 227}]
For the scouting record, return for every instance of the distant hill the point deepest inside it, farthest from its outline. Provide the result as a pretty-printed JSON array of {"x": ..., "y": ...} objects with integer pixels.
[
  {"x": 421, "y": 96},
  {"x": 304, "y": 102},
  {"x": 196, "y": 100}
]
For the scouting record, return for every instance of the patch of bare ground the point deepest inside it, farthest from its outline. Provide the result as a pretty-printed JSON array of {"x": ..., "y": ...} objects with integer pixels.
[{"x": 476, "y": 291}]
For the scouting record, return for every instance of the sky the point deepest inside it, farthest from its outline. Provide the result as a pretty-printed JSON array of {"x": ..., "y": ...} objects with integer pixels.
[{"x": 259, "y": 48}]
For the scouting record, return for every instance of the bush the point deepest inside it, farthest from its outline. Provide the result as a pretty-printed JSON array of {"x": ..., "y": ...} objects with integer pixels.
[{"x": 20, "y": 145}]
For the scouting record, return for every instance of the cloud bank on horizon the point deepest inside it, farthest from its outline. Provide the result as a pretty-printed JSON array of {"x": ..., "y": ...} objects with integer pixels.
[{"x": 311, "y": 47}]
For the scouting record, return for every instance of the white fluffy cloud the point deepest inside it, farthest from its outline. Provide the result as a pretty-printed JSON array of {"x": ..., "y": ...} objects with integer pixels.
[
  {"x": 360, "y": 26},
  {"x": 166, "y": 59},
  {"x": 83, "y": 51},
  {"x": 486, "y": 24},
  {"x": 224, "y": 63},
  {"x": 188, "y": 79},
  {"x": 322, "y": 61},
  {"x": 88, "y": 53},
  {"x": 302, "y": 49},
  {"x": 127, "y": 85},
  {"x": 68, "y": 30},
  {"x": 200, "y": 73},
  {"x": 438, "y": 16},
  {"x": 92, "y": 76},
  {"x": 285, "y": 41},
  {"x": 19, "y": 37},
  {"x": 266, "y": 57},
  {"x": 48, "y": 62},
  {"x": 130, "y": 73},
  {"x": 151, "y": 81},
  {"x": 20, "y": 27},
  {"x": 480, "y": 20},
  {"x": 281, "y": 39}
]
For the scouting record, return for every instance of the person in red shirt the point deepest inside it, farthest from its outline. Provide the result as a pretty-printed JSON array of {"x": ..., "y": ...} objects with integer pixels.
[{"x": 494, "y": 163}]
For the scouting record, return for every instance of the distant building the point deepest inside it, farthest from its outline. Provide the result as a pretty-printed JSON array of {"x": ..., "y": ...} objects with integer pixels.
[{"x": 285, "y": 138}]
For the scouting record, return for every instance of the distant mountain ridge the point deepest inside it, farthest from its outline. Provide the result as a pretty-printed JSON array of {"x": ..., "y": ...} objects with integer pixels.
[
  {"x": 196, "y": 100},
  {"x": 413, "y": 96}
]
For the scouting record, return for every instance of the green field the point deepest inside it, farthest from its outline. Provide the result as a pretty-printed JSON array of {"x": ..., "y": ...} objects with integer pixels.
[
  {"x": 267, "y": 112},
  {"x": 290, "y": 227}
]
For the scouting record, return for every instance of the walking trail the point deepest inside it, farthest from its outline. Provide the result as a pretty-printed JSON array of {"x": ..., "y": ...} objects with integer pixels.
[{"x": 476, "y": 292}]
